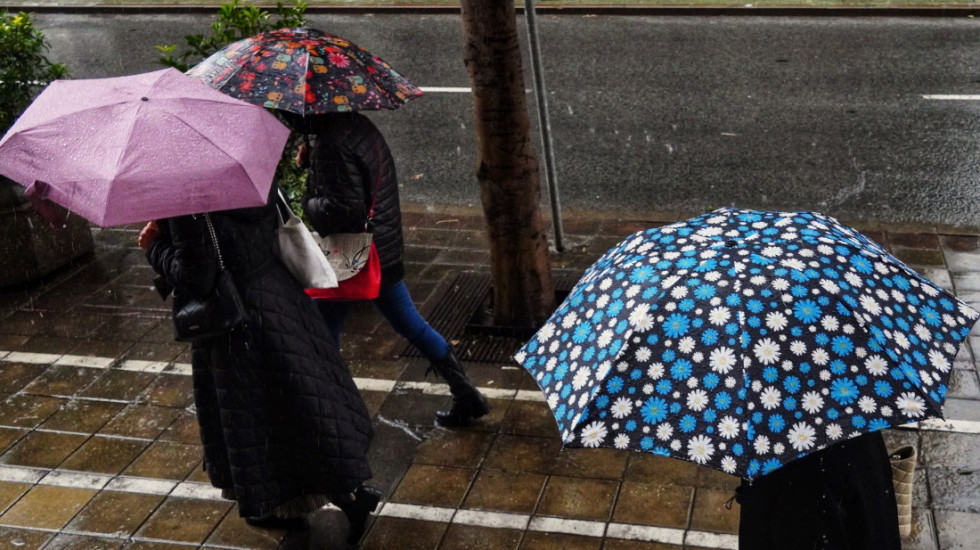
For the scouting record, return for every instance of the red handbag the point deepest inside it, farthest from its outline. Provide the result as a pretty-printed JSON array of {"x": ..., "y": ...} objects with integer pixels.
[{"x": 365, "y": 285}]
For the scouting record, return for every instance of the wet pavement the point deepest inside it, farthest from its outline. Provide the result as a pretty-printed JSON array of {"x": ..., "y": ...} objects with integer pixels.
[{"x": 99, "y": 446}]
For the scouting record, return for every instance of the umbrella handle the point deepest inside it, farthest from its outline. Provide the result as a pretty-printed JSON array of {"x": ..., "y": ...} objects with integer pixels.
[{"x": 36, "y": 193}]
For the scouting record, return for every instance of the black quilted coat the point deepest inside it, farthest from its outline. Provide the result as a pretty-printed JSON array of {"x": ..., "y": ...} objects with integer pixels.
[
  {"x": 283, "y": 425},
  {"x": 349, "y": 159}
]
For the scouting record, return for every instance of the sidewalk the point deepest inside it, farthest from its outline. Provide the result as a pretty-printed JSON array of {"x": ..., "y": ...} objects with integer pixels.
[{"x": 99, "y": 448}]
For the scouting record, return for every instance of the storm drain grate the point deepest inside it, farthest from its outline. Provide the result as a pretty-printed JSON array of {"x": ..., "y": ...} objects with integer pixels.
[{"x": 456, "y": 313}]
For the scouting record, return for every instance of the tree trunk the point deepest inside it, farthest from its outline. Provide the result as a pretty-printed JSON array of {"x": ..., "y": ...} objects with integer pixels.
[{"x": 507, "y": 169}]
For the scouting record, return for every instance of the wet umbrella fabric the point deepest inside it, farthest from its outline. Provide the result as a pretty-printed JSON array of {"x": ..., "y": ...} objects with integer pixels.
[
  {"x": 742, "y": 340},
  {"x": 148, "y": 146},
  {"x": 306, "y": 72}
]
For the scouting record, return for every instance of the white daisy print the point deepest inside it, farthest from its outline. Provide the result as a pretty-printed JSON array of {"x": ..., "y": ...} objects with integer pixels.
[
  {"x": 939, "y": 361},
  {"x": 665, "y": 431},
  {"x": 622, "y": 407},
  {"x": 700, "y": 449},
  {"x": 722, "y": 360},
  {"x": 900, "y": 339},
  {"x": 728, "y": 427},
  {"x": 605, "y": 338},
  {"x": 797, "y": 347},
  {"x": 594, "y": 434},
  {"x": 570, "y": 320},
  {"x": 761, "y": 445},
  {"x": 643, "y": 354},
  {"x": 870, "y": 304},
  {"x": 854, "y": 279},
  {"x": 923, "y": 333},
  {"x": 766, "y": 351},
  {"x": 546, "y": 332},
  {"x": 802, "y": 436},
  {"x": 771, "y": 398},
  {"x": 581, "y": 378},
  {"x": 820, "y": 356},
  {"x": 876, "y": 365},
  {"x": 697, "y": 400},
  {"x": 829, "y": 323},
  {"x": 622, "y": 441},
  {"x": 728, "y": 465},
  {"x": 829, "y": 286},
  {"x": 686, "y": 345},
  {"x": 867, "y": 404},
  {"x": 655, "y": 371},
  {"x": 911, "y": 405},
  {"x": 719, "y": 316},
  {"x": 812, "y": 402},
  {"x": 676, "y": 445},
  {"x": 834, "y": 431},
  {"x": 776, "y": 321}
]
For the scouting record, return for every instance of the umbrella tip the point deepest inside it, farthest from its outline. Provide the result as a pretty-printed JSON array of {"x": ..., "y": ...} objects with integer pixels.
[{"x": 144, "y": 99}]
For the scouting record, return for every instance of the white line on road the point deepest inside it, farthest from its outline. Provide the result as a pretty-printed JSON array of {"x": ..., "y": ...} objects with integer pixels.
[
  {"x": 443, "y": 90},
  {"x": 953, "y": 97}
]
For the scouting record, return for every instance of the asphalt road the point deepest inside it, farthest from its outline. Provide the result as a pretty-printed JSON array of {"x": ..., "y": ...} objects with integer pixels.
[{"x": 671, "y": 113}]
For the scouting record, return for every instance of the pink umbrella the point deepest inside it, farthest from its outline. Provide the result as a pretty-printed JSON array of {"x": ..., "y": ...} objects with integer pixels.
[{"x": 142, "y": 147}]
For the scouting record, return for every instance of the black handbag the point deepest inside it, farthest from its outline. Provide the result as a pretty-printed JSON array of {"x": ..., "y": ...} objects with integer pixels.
[{"x": 215, "y": 313}]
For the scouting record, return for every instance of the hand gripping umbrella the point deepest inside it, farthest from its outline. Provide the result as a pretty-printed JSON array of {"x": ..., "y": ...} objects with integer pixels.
[
  {"x": 305, "y": 72},
  {"x": 742, "y": 340},
  {"x": 147, "y": 146}
]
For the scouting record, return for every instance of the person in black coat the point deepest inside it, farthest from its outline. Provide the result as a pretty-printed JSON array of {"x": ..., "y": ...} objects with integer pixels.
[
  {"x": 351, "y": 178},
  {"x": 838, "y": 498},
  {"x": 284, "y": 429}
]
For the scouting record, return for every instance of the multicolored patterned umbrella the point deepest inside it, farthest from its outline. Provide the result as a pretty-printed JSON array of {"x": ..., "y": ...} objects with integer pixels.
[
  {"x": 305, "y": 71},
  {"x": 742, "y": 340}
]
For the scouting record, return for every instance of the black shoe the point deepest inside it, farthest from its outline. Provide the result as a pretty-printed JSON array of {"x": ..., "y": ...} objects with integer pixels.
[
  {"x": 468, "y": 403},
  {"x": 365, "y": 501},
  {"x": 272, "y": 522}
]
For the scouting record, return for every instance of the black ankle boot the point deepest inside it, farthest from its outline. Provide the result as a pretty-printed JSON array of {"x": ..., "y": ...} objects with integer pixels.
[
  {"x": 273, "y": 522},
  {"x": 365, "y": 501},
  {"x": 468, "y": 402}
]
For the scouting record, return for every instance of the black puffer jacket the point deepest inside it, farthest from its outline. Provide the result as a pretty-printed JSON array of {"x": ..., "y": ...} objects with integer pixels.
[
  {"x": 348, "y": 160},
  {"x": 283, "y": 425}
]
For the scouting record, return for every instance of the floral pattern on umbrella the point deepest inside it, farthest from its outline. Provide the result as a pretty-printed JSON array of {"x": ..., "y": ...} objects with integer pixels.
[
  {"x": 742, "y": 340},
  {"x": 305, "y": 71}
]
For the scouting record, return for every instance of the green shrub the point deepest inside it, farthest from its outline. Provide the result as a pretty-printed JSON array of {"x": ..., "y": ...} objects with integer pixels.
[
  {"x": 24, "y": 69},
  {"x": 235, "y": 21}
]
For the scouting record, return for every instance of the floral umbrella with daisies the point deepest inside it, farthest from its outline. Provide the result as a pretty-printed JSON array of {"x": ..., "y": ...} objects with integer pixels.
[{"x": 742, "y": 340}]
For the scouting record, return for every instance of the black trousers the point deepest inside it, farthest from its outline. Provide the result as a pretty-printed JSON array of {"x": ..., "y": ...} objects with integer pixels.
[{"x": 839, "y": 498}]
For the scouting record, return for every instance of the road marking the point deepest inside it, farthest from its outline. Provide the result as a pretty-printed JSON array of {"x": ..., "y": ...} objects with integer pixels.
[
  {"x": 364, "y": 384},
  {"x": 953, "y": 97}
]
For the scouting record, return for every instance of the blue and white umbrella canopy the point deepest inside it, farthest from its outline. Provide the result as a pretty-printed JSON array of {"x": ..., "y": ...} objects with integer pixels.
[{"x": 742, "y": 340}]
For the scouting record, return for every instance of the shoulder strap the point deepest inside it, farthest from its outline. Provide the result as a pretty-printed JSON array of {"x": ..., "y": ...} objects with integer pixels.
[{"x": 214, "y": 239}]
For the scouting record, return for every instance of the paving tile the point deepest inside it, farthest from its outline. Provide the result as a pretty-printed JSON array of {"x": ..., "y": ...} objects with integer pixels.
[
  {"x": 46, "y": 507},
  {"x": 532, "y": 418},
  {"x": 146, "y": 421},
  {"x": 434, "y": 485},
  {"x": 115, "y": 513},
  {"x": 61, "y": 380},
  {"x": 14, "y": 376},
  {"x": 84, "y": 416},
  {"x": 450, "y": 448},
  {"x": 960, "y": 243},
  {"x": 710, "y": 478},
  {"x": 169, "y": 390},
  {"x": 389, "y": 533},
  {"x": 597, "y": 463},
  {"x": 413, "y": 408},
  {"x": 27, "y": 411},
  {"x": 956, "y": 490},
  {"x": 183, "y": 430},
  {"x": 9, "y": 436},
  {"x": 12, "y": 538},
  {"x": 184, "y": 520},
  {"x": 957, "y": 530},
  {"x": 84, "y": 542},
  {"x": 653, "y": 504},
  {"x": 105, "y": 455},
  {"x": 235, "y": 533},
  {"x": 962, "y": 261},
  {"x": 460, "y": 537},
  {"x": 42, "y": 449},
  {"x": 496, "y": 490},
  {"x": 12, "y": 341},
  {"x": 56, "y": 345},
  {"x": 166, "y": 460},
  {"x": 118, "y": 384},
  {"x": 648, "y": 467},
  {"x": 523, "y": 454},
  {"x": 711, "y": 512},
  {"x": 559, "y": 541},
  {"x": 148, "y": 545},
  {"x": 10, "y": 491},
  {"x": 963, "y": 384},
  {"x": 914, "y": 240},
  {"x": 199, "y": 475},
  {"x": 923, "y": 535},
  {"x": 578, "y": 498},
  {"x": 145, "y": 351},
  {"x": 27, "y": 323},
  {"x": 620, "y": 544}
]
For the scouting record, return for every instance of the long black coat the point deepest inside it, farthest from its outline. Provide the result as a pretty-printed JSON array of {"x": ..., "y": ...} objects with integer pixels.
[
  {"x": 283, "y": 425},
  {"x": 838, "y": 498},
  {"x": 349, "y": 163}
]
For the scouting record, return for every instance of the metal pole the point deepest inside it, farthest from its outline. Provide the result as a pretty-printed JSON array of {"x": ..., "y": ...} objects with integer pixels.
[{"x": 544, "y": 122}]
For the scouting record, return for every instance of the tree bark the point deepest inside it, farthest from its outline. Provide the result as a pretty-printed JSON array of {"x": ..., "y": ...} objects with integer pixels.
[{"x": 507, "y": 168}]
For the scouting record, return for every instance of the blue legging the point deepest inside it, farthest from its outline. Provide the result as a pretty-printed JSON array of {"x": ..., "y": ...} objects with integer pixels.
[{"x": 396, "y": 305}]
